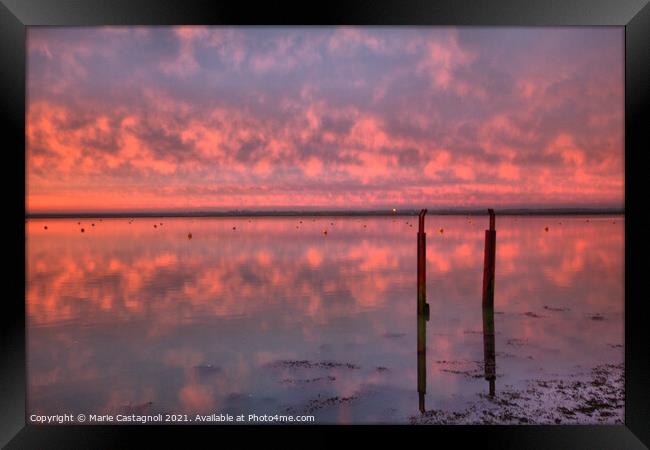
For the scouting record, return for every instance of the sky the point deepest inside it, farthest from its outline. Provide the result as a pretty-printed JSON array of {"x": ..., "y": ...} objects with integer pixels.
[{"x": 222, "y": 118}]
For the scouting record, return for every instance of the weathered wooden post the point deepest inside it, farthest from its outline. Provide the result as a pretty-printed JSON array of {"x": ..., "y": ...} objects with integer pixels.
[
  {"x": 422, "y": 312},
  {"x": 489, "y": 353},
  {"x": 489, "y": 261},
  {"x": 423, "y": 307}
]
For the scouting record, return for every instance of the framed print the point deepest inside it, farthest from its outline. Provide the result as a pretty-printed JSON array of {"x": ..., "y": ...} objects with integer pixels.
[{"x": 422, "y": 218}]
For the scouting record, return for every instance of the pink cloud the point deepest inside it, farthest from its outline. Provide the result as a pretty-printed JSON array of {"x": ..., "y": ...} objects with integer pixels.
[{"x": 324, "y": 117}]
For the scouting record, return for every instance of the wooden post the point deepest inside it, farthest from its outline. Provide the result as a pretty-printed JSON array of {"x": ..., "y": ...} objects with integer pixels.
[
  {"x": 422, "y": 311},
  {"x": 489, "y": 262},
  {"x": 489, "y": 353},
  {"x": 423, "y": 307}
]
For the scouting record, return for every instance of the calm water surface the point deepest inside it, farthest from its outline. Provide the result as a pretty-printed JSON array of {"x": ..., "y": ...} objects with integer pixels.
[{"x": 272, "y": 316}]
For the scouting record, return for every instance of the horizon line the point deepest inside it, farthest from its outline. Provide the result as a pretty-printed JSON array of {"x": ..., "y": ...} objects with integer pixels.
[{"x": 327, "y": 212}]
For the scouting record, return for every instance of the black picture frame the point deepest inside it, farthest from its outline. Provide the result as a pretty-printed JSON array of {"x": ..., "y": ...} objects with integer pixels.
[{"x": 634, "y": 15}]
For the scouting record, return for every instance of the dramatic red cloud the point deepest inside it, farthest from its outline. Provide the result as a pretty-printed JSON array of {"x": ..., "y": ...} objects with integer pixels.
[{"x": 187, "y": 118}]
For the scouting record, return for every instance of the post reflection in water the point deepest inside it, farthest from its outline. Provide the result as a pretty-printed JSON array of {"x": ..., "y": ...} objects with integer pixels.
[
  {"x": 422, "y": 361},
  {"x": 489, "y": 347}
]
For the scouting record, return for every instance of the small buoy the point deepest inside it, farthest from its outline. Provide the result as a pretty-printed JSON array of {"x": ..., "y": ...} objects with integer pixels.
[
  {"x": 442, "y": 231},
  {"x": 301, "y": 221},
  {"x": 364, "y": 226},
  {"x": 189, "y": 235},
  {"x": 161, "y": 224},
  {"x": 546, "y": 229},
  {"x": 155, "y": 226},
  {"x": 82, "y": 230},
  {"x": 324, "y": 231},
  {"x": 45, "y": 227},
  {"x": 234, "y": 228},
  {"x": 78, "y": 223},
  {"x": 93, "y": 224}
]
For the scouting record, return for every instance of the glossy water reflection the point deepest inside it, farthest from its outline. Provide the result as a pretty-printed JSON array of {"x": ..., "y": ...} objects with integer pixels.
[{"x": 273, "y": 315}]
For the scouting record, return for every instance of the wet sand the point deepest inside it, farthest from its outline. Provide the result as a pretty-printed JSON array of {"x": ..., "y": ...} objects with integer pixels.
[{"x": 594, "y": 396}]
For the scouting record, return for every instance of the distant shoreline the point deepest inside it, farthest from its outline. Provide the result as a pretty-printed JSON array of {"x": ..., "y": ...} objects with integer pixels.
[{"x": 331, "y": 213}]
